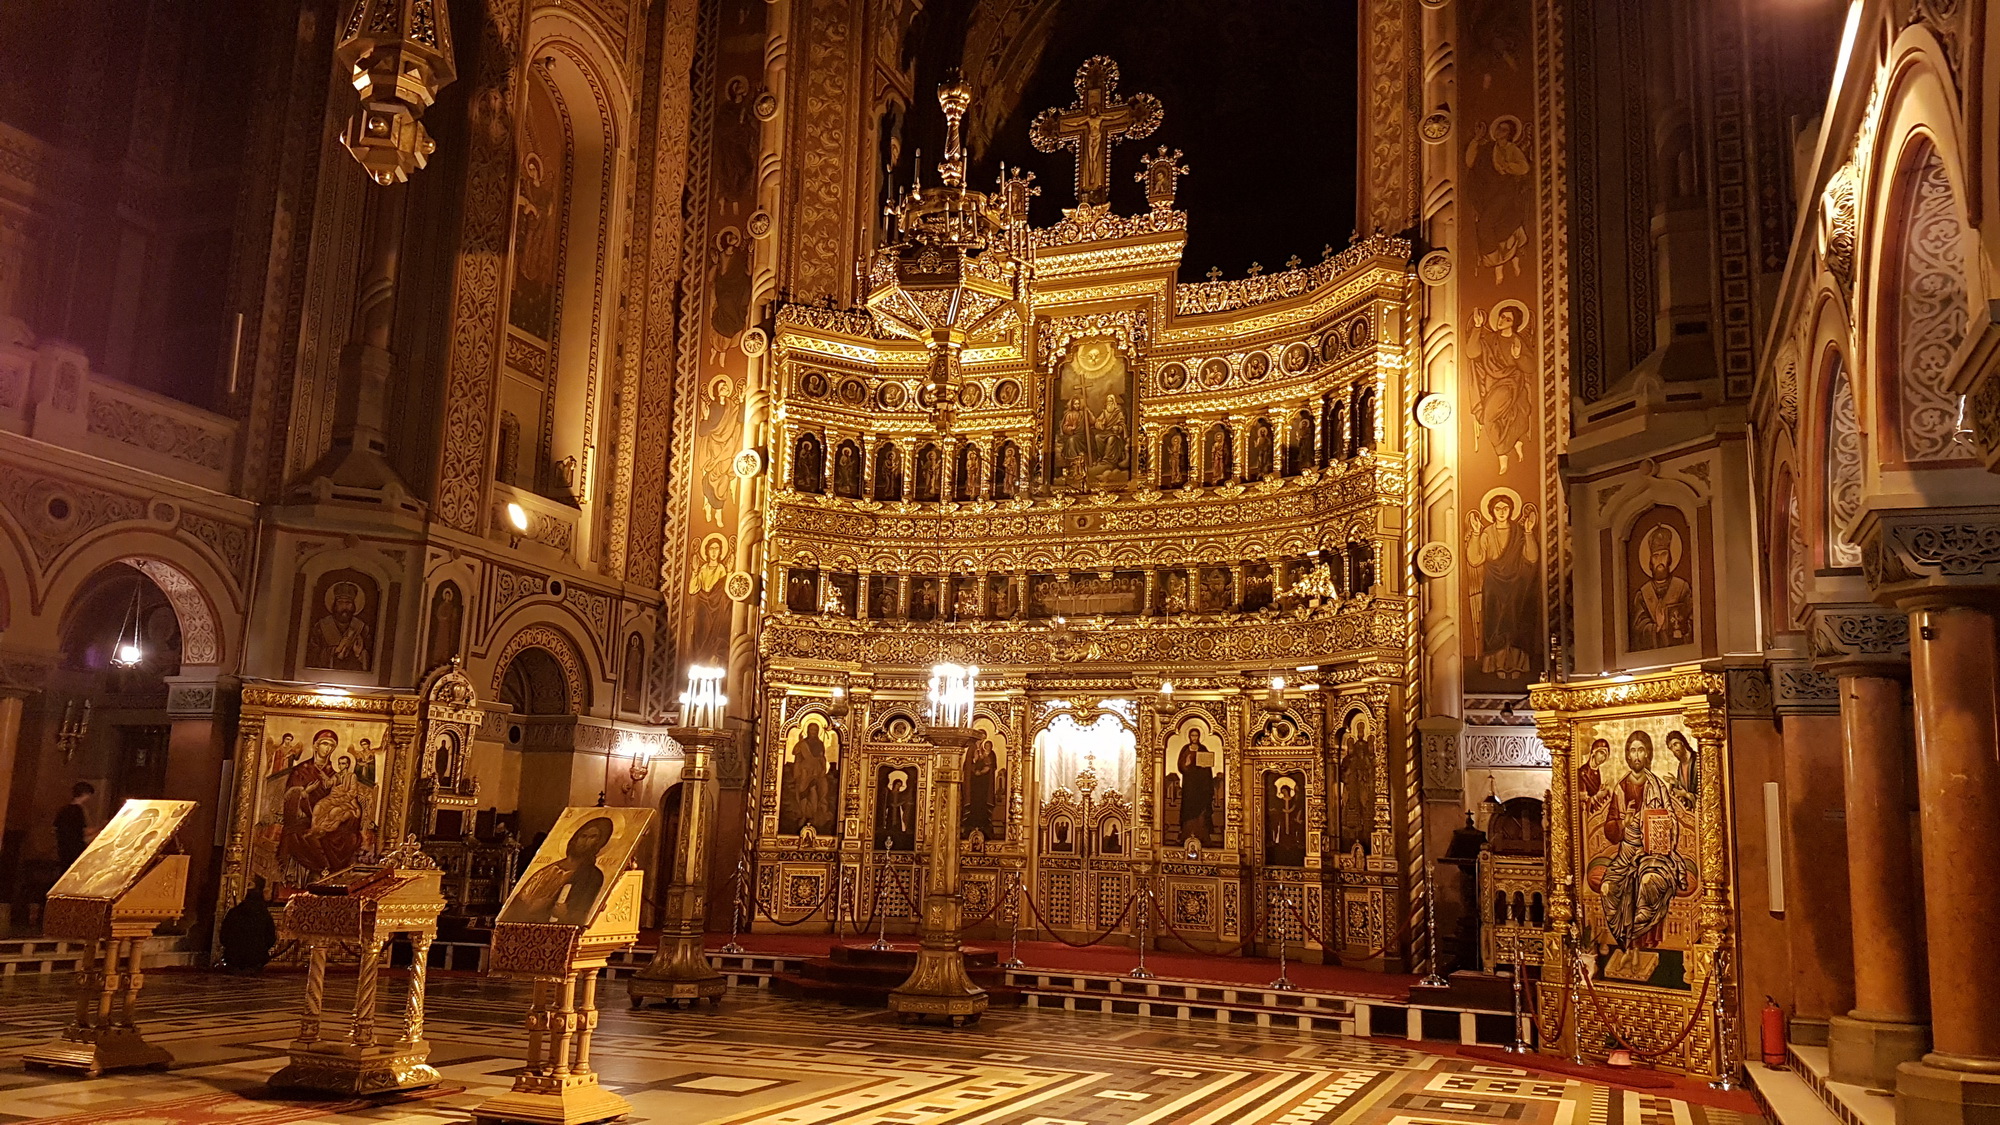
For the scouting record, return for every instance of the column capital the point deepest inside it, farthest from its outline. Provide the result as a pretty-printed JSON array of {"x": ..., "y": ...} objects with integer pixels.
[
  {"x": 1860, "y": 638},
  {"x": 1917, "y": 556},
  {"x": 1799, "y": 688},
  {"x": 198, "y": 695}
]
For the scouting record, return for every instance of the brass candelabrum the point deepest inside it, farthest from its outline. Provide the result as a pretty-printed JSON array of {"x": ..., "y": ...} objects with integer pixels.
[
  {"x": 679, "y": 973},
  {"x": 939, "y": 987}
]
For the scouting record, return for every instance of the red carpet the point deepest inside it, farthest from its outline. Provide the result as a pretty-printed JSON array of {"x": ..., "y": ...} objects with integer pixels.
[
  {"x": 1111, "y": 960},
  {"x": 1679, "y": 1086}
]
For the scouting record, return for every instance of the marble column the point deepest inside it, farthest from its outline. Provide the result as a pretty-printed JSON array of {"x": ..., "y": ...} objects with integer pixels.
[
  {"x": 1887, "y": 1026},
  {"x": 1954, "y": 665}
]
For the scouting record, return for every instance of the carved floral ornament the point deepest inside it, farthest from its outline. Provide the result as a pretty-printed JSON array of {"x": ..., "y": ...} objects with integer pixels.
[
  {"x": 1919, "y": 548},
  {"x": 1839, "y": 210}
]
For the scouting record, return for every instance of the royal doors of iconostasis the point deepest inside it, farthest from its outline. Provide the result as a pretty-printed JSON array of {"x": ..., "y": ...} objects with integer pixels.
[{"x": 1223, "y": 819}]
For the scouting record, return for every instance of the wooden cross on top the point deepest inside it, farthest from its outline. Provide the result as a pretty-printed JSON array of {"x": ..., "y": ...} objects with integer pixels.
[{"x": 1098, "y": 119}]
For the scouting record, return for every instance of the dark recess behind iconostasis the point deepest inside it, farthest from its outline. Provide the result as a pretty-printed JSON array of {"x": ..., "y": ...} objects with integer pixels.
[{"x": 1260, "y": 96}]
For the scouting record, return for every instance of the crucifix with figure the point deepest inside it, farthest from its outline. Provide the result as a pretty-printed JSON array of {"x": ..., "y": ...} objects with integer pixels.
[{"x": 1097, "y": 120}]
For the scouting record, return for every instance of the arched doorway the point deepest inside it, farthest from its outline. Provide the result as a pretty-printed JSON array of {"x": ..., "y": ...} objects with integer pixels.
[
  {"x": 541, "y": 737},
  {"x": 100, "y": 720}
]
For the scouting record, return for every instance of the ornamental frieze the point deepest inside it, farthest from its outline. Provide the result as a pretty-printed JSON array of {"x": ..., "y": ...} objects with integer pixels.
[{"x": 1372, "y": 633}]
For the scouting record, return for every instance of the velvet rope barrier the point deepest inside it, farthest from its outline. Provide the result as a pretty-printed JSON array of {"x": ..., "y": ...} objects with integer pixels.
[
  {"x": 982, "y": 919},
  {"x": 1261, "y": 919},
  {"x": 1700, "y": 1007},
  {"x": 875, "y": 908},
  {"x": 824, "y": 894},
  {"x": 1113, "y": 928}
]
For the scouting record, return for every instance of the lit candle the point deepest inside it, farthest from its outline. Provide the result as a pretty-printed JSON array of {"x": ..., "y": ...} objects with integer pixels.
[{"x": 703, "y": 702}]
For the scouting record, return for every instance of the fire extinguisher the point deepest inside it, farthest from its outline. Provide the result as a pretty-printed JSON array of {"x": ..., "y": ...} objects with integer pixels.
[{"x": 1773, "y": 1037}]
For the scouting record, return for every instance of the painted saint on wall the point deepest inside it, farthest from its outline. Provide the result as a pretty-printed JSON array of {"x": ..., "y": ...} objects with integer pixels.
[
  {"x": 1194, "y": 784},
  {"x": 1503, "y": 403},
  {"x": 896, "y": 809},
  {"x": 1503, "y": 555},
  {"x": 1174, "y": 459},
  {"x": 1217, "y": 458},
  {"x": 984, "y": 808},
  {"x": 809, "y": 792},
  {"x": 447, "y": 616},
  {"x": 847, "y": 470},
  {"x": 632, "y": 675},
  {"x": 1285, "y": 818},
  {"x": 320, "y": 801},
  {"x": 1354, "y": 747},
  {"x": 538, "y": 213},
  {"x": 1091, "y": 427},
  {"x": 1659, "y": 594},
  {"x": 1496, "y": 163},
  {"x": 808, "y": 465},
  {"x": 341, "y": 636},
  {"x": 888, "y": 472}
]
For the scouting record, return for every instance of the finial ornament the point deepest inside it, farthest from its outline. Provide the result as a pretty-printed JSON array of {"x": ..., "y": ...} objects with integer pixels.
[
  {"x": 1097, "y": 120},
  {"x": 1161, "y": 174}
]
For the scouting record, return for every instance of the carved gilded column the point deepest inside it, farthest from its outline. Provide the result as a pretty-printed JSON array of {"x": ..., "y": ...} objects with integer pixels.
[
  {"x": 938, "y": 985},
  {"x": 679, "y": 971}
]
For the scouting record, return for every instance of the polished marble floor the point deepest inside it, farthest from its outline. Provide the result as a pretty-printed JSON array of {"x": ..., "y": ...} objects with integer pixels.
[{"x": 769, "y": 1060}]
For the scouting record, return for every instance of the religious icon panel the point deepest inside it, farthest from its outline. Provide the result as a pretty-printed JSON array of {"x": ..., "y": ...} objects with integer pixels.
[
  {"x": 122, "y": 849},
  {"x": 570, "y": 877}
]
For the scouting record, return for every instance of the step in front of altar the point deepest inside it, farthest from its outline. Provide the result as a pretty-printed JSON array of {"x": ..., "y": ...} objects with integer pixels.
[
  {"x": 1260, "y": 1005},
  {"x": 862, "y": 975}
]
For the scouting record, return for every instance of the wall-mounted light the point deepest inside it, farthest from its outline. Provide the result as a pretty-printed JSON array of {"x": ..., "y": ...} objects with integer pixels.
[
  {"x": 518, "y": 516},
  {"x": 1164, "y": 702},
  {"x": 641, "y": 754}
]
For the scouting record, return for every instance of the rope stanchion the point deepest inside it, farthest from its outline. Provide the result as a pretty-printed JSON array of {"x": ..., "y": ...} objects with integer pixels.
[
  {"x": 736, "y": 881},
  {"x": 1014, "y": 925},
  {"x": 1113, "y": 928}
]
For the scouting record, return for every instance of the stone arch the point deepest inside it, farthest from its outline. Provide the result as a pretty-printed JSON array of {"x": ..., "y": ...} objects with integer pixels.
[
  {"x": 203, "y": 598},
  {"x": 573, "y": 64},
  {"x": 556, "y": 645},
  {"x": 1838, "y": 424},
  {"x": 1923, "y": 310}
]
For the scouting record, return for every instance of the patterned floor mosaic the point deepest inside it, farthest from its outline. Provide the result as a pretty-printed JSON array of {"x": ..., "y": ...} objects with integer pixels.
[{"x": 780, "y": 1062}]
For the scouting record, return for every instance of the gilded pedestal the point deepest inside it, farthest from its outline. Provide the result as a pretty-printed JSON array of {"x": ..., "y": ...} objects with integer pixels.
[
  {"x": 679, "y": 971},
  {"x": 939, "y": 985},
  {"x": 558, "y": 1085},
  {"x": 365, "y": 906},
  {"x": 114, "y": 897}
]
